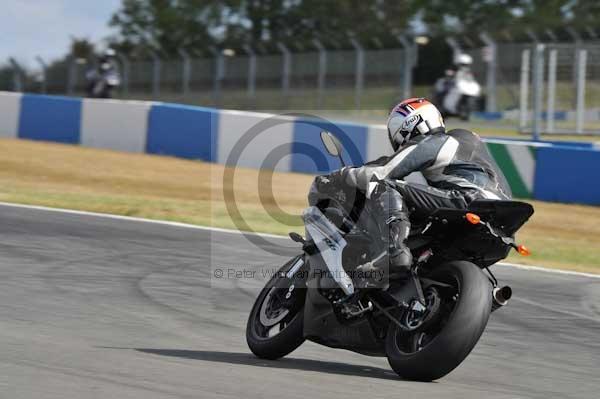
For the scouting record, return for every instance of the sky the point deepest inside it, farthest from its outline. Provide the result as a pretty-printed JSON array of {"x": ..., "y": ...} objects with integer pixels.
[{"x": 44, "y": 27}]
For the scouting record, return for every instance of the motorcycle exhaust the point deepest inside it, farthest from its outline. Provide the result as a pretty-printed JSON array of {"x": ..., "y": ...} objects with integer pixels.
[{"x": 500, "y": 297}]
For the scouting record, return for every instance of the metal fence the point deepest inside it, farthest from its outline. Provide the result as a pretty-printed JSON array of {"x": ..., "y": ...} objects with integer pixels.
[
  {"x": 316, "y": 78},
  {"x": 334, "y": 79},
  {"x": 503, "y": 61},
  {"x": 559, "y": 89}
]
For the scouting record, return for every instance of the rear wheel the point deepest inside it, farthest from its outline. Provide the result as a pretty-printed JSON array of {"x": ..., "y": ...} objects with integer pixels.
[
  {"x": 432, "y": 349},
  {"x": 275, "y": 325}
]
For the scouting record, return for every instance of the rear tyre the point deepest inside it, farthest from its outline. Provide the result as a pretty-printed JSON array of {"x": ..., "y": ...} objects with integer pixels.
[
  {"x": 275, "y": 324},
  {"x": 432, "y": 352}
]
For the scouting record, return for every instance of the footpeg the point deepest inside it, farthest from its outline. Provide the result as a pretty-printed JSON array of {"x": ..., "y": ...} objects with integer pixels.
[{"x": 356, "y": 310}]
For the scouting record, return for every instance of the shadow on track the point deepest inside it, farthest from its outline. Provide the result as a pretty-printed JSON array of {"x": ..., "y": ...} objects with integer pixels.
[{"x": 286, "y": 363}]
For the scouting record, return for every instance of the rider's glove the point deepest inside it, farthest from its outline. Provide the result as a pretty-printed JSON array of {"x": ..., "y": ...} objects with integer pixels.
[
  {"x": 337, "y": 177},
  {"x": 331, "y": 182},
  {"x": 324, "y": 183}
]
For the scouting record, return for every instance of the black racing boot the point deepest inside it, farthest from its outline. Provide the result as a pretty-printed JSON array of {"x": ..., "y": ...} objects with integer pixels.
[
  {"x": 397, "y": 259},
  {"x": 390, "y": 211},
  {"x": 400, "y": 255}
]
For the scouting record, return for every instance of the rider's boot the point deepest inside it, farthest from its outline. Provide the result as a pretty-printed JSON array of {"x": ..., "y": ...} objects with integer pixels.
[
  {"x": 396, "y": 260},
  {"x": 391, "y": 212},
  {"x": 400, "y": 255}
]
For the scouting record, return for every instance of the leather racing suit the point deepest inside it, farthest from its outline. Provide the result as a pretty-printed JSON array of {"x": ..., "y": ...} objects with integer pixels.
[{"x": 457, "y": 167}]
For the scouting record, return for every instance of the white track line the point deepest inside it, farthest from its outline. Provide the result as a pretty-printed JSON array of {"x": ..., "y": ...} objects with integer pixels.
[
  {"x": 548, "y": 270},
  {"x": 135, "y": 219},
  {"x": 231, "y": 231}
]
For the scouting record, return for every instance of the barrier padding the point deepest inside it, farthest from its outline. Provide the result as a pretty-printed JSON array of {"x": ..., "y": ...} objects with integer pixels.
[
  {"x": 255, "y": 140},
  {"x": 116, "y": 125},
  {"x": 488, "y": 116},
  {"x": 552, "y": 171},
  {"x": 517, "y": 162},
  {"x": 540, "y": 143},
  {"x": 378, "y": 143},
  {"x": 308, "y": 154},
  {"x": 500, "y": 115},
  {"x": 10, "y": 106},
  {"x": 50, "y": 118},
  {"x": 568, "y": 175},
  {"x": 579, "y": 144},
  {"x": 558, "y": 115},
  {"x": 182, "y": 131}
]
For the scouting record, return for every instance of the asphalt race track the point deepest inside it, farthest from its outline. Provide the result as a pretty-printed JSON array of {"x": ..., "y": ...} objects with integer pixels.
[{"x": 94, "y": 307}]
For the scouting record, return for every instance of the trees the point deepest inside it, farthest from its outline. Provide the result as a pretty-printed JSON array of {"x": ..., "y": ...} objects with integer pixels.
[
  {"x": 167, "y": 24},
  {"x": 196, "y": 24},
  {"x": 470, "y": 15},
  {"x": 514, "y": 16}
]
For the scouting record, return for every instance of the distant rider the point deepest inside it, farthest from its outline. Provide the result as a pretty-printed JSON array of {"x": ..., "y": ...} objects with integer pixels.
[
  {"x": 103, "y": 79},
  {"x": 443, "y": 85}
]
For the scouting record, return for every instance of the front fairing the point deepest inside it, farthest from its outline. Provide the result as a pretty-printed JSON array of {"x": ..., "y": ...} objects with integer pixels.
[{"x": 326, "y": 262}]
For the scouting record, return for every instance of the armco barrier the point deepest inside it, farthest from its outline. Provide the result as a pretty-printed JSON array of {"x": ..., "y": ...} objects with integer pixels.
[{"x": 545, "y": 170}]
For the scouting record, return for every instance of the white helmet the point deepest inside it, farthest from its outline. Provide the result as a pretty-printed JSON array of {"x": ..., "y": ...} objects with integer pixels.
[
  {"x": 464, "y": 59},
  {"x": 109, "y": 53},
  {"x": 413, "y": 117}
]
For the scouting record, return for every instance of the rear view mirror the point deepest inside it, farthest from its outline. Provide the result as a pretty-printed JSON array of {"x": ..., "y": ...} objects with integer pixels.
[{"x": 331, "y": 143}]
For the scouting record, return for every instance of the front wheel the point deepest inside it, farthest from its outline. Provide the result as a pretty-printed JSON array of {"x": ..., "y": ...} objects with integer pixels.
[
  {"x": 275, "y": 325},
  {"x": 432, "y": 351},
  {"x": 464, "y": 108}
]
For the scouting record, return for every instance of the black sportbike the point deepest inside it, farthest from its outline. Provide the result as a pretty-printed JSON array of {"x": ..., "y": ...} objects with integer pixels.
[{"x": 425, "y": 321}]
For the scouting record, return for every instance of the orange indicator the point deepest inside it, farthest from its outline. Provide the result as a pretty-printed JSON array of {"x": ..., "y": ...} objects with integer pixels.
[
  {"x": 523, "y": 250},
  {"x": 473, "y": 218}
]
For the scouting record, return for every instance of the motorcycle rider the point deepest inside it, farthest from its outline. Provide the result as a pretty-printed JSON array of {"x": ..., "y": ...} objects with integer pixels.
[
  {"x": 443, "y": 85},
  {"x": 463, "y": 62},
  {"x": 456, "y": 165},
  {"x": 101, "y": 79},
  {"x": 457, "y": 93}
]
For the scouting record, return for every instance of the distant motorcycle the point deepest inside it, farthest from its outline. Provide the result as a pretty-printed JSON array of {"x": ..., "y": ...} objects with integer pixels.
[
  {"x": 425, "y": 321},
  {"x": 458, "y": 93},
  {"x": 460, "y": 97},
  {"x": 102, "y": 81}
]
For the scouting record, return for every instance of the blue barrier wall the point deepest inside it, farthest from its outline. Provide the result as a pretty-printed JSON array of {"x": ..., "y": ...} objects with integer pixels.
[
  {"x": 500, "y": 115},
  {"x": 50, "y": 118},
  {"x": 560, "y": 171},
  {"x": 566, "y": 174},
  {"x": 584, "y": 144},
  {"x": 182, "y": 131},
  {"x": 309, "y": 156}
]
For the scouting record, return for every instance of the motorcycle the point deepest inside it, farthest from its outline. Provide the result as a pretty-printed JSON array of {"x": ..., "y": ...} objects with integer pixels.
[
  {"x": 103, "y": 81},
  {"x": 425, "y": 321},
  {"x": 458, "y": 95}
]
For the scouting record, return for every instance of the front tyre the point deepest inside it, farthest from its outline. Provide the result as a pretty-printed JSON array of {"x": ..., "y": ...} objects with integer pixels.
[
  {"x": 275, "y": 324},
  {"x": 432, "y": 352},
  {"x": 464, "y": 108}
]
